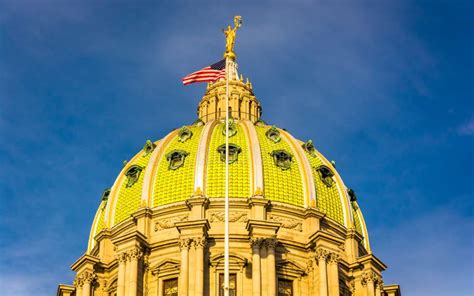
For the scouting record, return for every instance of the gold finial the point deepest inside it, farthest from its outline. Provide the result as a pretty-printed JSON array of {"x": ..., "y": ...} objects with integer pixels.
[{"x": 230, "y": 37}]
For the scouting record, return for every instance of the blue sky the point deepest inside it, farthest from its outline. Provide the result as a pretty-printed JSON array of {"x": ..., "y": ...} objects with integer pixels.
[{"x": 385, "y": 88}]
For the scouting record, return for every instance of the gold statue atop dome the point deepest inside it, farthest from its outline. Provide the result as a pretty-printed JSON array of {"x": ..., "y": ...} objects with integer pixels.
[{"x": 230, "y": 37}]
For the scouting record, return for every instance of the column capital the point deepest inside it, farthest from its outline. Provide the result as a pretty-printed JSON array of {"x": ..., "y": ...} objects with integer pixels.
[
  {"x": 271, "y": 243},
  {"x": 321, "y": 254},
  {"x": 199, "y": 242},
  {"x": 380, "y": 283},
  {"x": 255, "y": 242},
  {"x": 333, "y": 258},
  {"x": 122, "y": 257},
  {"x": 135, "y": 254},
  {"x": 184, "y": 243},
  {"x": 88, "y": 277},
  {"x": 78, "y": 282},
  {"x": 369, "y": 277}
]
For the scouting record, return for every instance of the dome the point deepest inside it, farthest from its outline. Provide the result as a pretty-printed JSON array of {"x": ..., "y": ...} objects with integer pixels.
[{"x": 265, "y": 161}]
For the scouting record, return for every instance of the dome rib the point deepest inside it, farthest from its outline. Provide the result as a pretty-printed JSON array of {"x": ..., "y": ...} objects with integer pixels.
[
  {"x": 201, "y": 157},
  {"x": 305, "y": 169}
]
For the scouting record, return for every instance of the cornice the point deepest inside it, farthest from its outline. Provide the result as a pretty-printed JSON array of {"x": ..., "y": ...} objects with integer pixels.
[{"x": 84, "y": 260}]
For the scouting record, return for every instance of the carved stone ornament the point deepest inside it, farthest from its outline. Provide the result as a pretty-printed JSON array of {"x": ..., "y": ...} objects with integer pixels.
[
  {"x": 133, "y": 174},
  {"x": 169, "y": 223},
  {"x": 309, "y": 147},
  {"x": 176, "y": 159},
  {"x": 148, "y": 148},
  {"x": 233, "y": 217},
  {"x": 273, "y": 134},
  {"x": 200, "y": 242},
  {"x": 287, "y": 223},
  {"x": 78, "y": 282},
  {"x": 234, "y": 152},
  {"x": 232, "y": 128},
  {"x": 282, "y": 159},
  {"x": 325, "y": 174},
  {"x": 184, "y": 243},
  {"x": 184, "y": 134}
]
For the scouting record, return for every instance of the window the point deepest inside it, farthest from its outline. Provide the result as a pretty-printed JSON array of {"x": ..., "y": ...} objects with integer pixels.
[
  {"x": 176, "y": 159},
  {"x": 170, "y": 287},
  {"x": 282, "y": 159},
  {"x": 285, "y": 287},
  {"x": 232, "y": 284},
  {"x": 132, "y": 174},
  {"x": 234, "y": 151}
]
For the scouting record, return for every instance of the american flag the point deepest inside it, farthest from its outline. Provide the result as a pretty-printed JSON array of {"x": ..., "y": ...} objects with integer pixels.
[{"x": 208, "y": 74}]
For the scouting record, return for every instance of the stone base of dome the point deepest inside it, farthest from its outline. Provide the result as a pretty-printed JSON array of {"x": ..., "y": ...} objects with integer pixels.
[{"x": 273, "y": 246}]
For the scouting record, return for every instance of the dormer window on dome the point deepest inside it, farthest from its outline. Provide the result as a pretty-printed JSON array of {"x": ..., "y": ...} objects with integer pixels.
[
  {"x": 184, "y": 134},
  {"x": 352, "y": 194},
  {"x": 309, "y": 147},
  {"x": 148, "y": 148},
  {"x": 105, "y": 194},
  {"x": 234, "y": 151},
  {"x": 232, "y": 128},
  {"x": 132, "y": 174},
  {"x": 176, "y": 159},
  {"x": 282, "y": 159},
  {"x": 325, "y": 174},
  {"x": 273, "y": 134}
]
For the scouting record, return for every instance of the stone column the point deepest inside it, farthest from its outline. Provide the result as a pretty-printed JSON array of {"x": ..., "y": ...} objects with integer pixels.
[
  {"x": 87, "y": 278},
  {"x": 134, "y": 255},
  {"x": 122, "y": 260},
  {"x": 199, "y": 245},
  {"x": 256, "y": 283},
  {"x": 333, "y": 274},
  {"x": 271, "y": 268},
  {"x": 321, "y": 256},
  {"x": 379, "y": 287},
  {"x": 183, "y": 274},
  {"x": 78, "y": 284},
  {"x": 368, "y": 280}
]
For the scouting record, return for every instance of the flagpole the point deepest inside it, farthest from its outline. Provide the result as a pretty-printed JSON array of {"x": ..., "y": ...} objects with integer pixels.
[{"x": 226, "y": 206}]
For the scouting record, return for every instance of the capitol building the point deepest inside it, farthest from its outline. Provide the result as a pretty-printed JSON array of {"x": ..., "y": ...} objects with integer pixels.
[{"x": 295, "y": 228}]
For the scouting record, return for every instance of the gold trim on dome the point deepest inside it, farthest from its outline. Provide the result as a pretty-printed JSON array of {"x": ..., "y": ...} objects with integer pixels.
[{"x": 256, "y": 157}]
